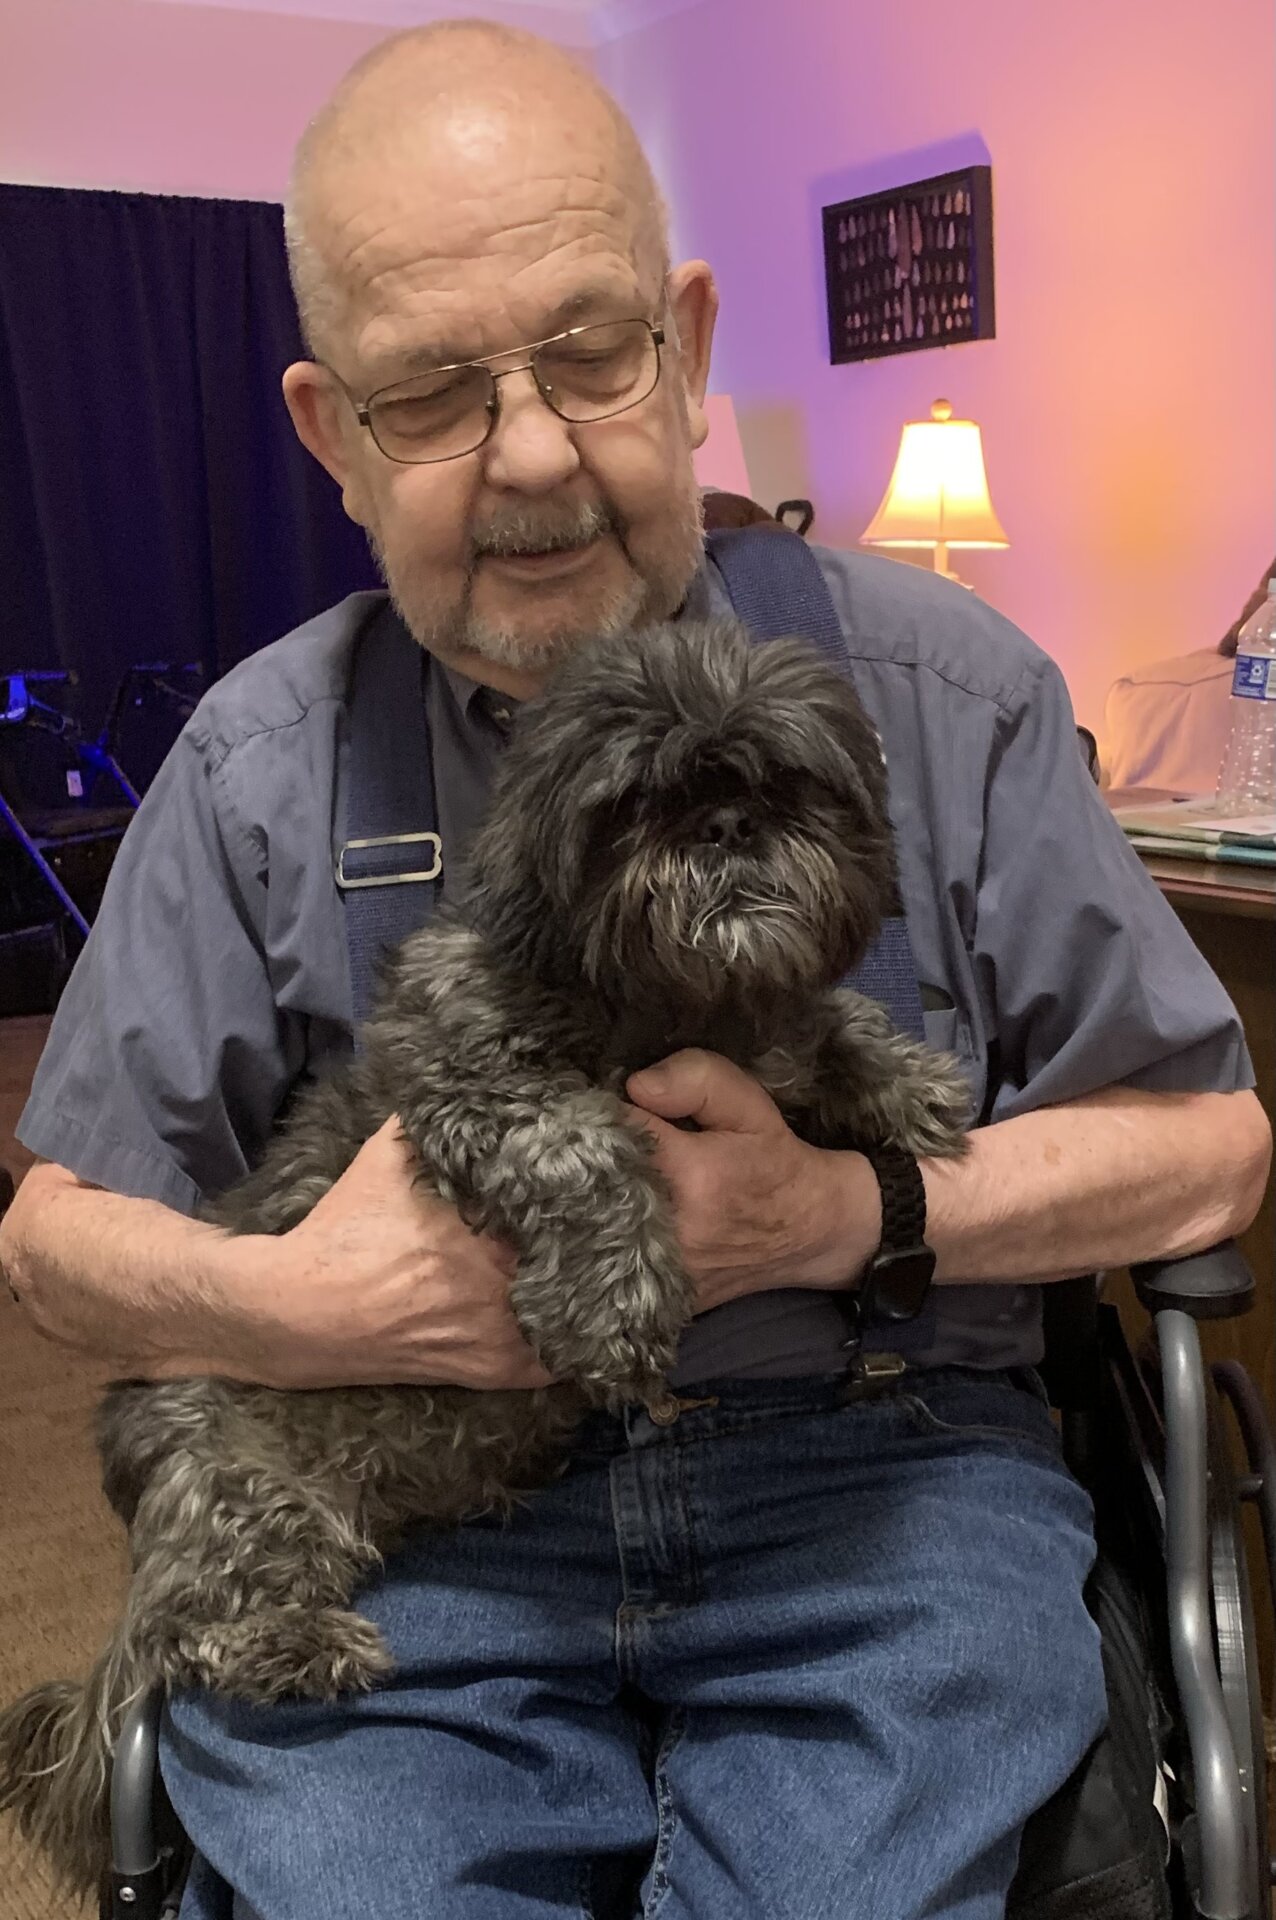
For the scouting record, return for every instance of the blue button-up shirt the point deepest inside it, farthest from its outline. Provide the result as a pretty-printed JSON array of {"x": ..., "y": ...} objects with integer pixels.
[{"x": 216, "y": 975}]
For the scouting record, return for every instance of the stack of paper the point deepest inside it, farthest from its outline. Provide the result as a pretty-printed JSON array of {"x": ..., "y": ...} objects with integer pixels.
[{"x": 1194, "y": 830}]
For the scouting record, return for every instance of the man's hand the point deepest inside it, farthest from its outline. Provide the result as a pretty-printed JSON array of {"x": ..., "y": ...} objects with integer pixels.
[
  {"x": 756, "y": 1207},
  {"x": 382, "y": 1282}
]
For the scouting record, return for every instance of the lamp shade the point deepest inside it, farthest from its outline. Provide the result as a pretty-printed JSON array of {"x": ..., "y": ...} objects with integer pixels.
[
  {"x": 938, "y": 495},
  {"x": 720, "y": 461}
]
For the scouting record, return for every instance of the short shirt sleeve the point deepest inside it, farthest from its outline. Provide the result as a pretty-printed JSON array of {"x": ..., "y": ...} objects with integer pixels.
[
  {"x": 1086, "y": 976},
  {"x": 167, "y": 1058}
]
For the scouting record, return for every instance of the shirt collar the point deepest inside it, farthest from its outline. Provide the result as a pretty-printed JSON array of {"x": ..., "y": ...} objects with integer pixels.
[{"x": 477, "y": 701}]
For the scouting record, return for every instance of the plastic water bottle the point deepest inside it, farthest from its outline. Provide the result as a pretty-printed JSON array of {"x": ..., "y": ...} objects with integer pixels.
[{"x": 1247, "y": 777}]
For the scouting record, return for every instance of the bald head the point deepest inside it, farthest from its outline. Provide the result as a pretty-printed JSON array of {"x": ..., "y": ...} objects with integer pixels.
[
  {"x": 471, "y": 195},
  {"x": 441, "y": 116}
]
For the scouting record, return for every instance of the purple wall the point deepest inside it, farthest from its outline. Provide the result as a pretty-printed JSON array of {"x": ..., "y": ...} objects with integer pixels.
[{"x": 1129, "y": 402}]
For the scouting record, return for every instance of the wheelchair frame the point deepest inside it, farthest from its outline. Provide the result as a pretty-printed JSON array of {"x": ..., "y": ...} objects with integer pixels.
[
  {"x": 96, "y": 757},
  {"x": 1177, "y": 1464}
]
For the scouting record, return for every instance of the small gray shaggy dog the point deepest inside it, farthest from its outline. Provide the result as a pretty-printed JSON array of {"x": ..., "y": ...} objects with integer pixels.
[{"x": 688, "y": 845}]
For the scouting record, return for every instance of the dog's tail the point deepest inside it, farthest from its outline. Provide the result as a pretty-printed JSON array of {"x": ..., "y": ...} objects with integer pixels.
[{"x": 55, "y": 1765}]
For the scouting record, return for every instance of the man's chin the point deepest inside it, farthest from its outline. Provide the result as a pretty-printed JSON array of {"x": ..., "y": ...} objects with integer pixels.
[
  {"x": 528, "y": 626},
  {"x": 534, "y": 593},
  {"x": 533, "y": 630}
]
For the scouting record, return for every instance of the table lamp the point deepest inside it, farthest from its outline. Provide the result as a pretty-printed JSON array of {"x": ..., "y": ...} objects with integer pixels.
[
  {"x": 938, "y": 495},
  {"x": 720, "y": 461}
]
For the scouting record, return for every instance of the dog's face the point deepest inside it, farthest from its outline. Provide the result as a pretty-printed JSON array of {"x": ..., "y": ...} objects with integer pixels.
[{"x": 686, "y": 812}]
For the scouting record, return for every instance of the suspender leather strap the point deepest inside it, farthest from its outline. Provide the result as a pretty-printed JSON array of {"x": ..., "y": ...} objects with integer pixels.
[{"x": 390, "y": 867}]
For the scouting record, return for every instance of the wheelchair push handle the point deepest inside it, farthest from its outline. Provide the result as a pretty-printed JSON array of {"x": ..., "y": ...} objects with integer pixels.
[
  {"x": 1214, "y": 1285},
  {"x": 18, "y": 704}
]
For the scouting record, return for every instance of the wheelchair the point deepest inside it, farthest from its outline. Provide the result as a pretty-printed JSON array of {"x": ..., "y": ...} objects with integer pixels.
[
  {"x": 1166, "y": 1817},
  {"x": 64, "y": 796}
]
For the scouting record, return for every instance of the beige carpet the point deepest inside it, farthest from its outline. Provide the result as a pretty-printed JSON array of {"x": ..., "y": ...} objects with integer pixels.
[{"x": 62, "y": 1561}]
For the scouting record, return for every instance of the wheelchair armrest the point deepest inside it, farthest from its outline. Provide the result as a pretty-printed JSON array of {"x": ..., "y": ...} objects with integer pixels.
[{"x": 1214, "y": 1285}]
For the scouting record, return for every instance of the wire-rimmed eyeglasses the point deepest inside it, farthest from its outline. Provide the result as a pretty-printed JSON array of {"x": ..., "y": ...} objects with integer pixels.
[{"x": 588, "y": 373}]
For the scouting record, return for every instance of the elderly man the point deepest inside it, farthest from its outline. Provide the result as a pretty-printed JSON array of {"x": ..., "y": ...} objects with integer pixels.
[{"x": 792, "y": 1654}]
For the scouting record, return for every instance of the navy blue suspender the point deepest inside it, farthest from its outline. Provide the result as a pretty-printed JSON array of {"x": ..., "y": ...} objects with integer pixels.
[{"x": 390, "y": 868}]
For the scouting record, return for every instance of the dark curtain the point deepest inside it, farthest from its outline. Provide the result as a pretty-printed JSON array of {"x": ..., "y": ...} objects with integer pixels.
[{"x": 154, "y": 502}]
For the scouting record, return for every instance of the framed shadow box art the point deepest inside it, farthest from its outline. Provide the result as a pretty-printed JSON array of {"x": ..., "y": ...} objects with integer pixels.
[{"x": 911, "y": 268}]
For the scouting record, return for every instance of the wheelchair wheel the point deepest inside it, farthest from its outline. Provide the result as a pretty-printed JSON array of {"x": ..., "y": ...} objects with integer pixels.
[
  {"x": 1229, "y": 1597},
  {"x": 1236, "y": 1643}
]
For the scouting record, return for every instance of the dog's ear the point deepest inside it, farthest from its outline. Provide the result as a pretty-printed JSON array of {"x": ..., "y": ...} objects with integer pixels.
[
  {"x": 814, "y": 708},
  {"x": 508, "y": 897},
  {"x": 577, "y": 746},
  {"x": 566, "y": 755}
]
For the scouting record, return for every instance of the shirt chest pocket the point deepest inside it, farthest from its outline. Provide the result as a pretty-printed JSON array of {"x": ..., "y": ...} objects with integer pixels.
[
  {"x": 948, "y": 1031},
  {"x": 943, "y": 1029}
]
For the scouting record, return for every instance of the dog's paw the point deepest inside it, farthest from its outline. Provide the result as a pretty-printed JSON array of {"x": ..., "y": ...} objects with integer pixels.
[
  {"x": 281, "y": 1653},
  {"x": 605, "y": 1308},
  {"x": 892, "y": 1088},
  {"x": 601, "y": 1294},
  {"x": 928, "y": 1109}
]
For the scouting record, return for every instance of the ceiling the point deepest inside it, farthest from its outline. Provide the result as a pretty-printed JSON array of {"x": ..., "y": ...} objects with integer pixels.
[{"x": 574, "y": 23}]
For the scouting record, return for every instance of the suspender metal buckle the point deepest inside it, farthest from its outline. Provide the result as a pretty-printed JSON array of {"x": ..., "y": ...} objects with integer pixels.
[
  {"x": 348, "y": 882},
  {"x": 869, "y": 1374}
]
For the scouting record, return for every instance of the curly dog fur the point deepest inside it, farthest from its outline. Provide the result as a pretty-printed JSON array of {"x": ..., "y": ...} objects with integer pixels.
[{"x": 688, "y": 844}]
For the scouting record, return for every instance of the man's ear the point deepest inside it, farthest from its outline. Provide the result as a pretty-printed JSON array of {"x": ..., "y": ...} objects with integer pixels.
[
  {"x": 693, "y": 296},
  {"x": 320, "y": 415}
]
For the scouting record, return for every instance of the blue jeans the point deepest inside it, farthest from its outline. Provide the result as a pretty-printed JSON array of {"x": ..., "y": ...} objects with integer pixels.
[{"x": 788, "y": 1658}]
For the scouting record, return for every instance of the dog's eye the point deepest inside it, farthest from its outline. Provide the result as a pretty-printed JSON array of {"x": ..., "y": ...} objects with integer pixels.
[
  {"x": 609, "y": 823},
  {"x": 792, "y": 789},
  {"x": 790, "y": 792}
]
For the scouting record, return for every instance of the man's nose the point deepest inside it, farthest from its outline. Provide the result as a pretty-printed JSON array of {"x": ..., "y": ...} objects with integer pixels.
[{"x": 530, "y": 447}]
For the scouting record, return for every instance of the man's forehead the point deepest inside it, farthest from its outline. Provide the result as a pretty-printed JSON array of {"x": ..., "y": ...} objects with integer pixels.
[
  {"x": 418, "y": 345},
  {"x": 432, "y": 311},
  {"x": 436, "y": 263}
]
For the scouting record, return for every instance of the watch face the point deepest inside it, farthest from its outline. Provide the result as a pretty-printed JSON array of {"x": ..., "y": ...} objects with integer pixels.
[{"x": 897, "y": 1284}]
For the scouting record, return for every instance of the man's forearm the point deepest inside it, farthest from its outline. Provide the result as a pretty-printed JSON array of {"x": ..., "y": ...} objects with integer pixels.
[
  {"x": 1116, "y": 1177},
  {"x": 129, "y": 1282}
]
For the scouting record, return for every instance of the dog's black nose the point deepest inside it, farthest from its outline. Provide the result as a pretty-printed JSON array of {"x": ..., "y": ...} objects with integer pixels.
[{"x": 728, "y": 826}]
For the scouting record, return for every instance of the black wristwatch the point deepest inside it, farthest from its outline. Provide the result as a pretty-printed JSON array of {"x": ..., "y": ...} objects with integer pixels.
[{"x": 897, "y": 1278}]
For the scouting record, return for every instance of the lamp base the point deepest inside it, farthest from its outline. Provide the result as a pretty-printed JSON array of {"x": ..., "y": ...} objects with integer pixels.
[{"x": 940, "y": 556}]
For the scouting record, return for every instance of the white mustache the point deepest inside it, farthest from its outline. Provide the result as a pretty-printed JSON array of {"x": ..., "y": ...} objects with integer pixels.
[{"x": 522, "y": 535}]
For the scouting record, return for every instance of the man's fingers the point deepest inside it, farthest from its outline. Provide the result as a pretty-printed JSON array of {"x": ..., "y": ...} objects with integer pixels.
[
  {"x": 386, "y": 1150},
  {"x": 661, "y": 1131},
  {"x": 705, "y": 1088},
  {"x": 395, "y": 1161}
]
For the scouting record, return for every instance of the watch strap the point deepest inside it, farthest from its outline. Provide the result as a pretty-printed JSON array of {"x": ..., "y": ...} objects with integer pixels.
[
  {"x": 903, "y": 1197},
  {"x": 899, "y": 1275}
]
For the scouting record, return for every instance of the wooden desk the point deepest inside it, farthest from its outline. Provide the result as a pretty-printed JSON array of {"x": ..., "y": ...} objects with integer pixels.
[{"x": 1207, "y": 886}]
